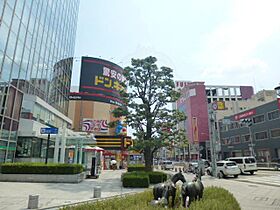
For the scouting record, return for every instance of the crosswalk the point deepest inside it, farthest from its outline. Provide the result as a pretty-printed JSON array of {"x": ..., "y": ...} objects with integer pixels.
[{"x": 264, "y": 178}]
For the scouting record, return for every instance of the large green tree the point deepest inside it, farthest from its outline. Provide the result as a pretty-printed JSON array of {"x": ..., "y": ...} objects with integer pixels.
[{"x": 148, "y": 93}]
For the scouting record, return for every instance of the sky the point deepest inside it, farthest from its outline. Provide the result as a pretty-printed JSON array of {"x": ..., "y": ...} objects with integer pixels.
[{"x": 233, "y": 42}]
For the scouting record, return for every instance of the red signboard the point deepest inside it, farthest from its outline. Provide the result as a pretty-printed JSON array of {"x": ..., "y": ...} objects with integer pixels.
[
  {"x": 245, "y": 114},
  {"x": 278, "y": 99}
]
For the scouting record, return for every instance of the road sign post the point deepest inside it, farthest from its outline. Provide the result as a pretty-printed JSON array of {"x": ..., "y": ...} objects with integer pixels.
[
  {"x": 47, "y": 150},
  {"x": 48, "y": 131}
]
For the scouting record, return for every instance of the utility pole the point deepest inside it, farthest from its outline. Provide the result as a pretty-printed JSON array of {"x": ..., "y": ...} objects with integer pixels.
[
  {"x": 213, "y": 139},
  {"x": 248, "y": 122}
]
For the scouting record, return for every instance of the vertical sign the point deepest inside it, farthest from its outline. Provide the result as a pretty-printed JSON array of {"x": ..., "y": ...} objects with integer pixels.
[{"x": 195, "y": 129}]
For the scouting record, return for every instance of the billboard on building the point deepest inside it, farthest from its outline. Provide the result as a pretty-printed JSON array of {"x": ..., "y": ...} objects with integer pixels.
[
  {"x": 91, "y": 125},
  {"x": 100, "y": 80}
]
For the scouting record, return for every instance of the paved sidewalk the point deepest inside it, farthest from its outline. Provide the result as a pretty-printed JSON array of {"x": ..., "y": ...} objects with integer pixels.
[{"x": 14, "y": 195}]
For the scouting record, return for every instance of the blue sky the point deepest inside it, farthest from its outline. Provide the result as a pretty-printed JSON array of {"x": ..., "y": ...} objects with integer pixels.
[{"x": 233, "y": 42}]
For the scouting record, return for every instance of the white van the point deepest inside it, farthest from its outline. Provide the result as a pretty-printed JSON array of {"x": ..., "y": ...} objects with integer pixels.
[{"x": 245, "y": 164}]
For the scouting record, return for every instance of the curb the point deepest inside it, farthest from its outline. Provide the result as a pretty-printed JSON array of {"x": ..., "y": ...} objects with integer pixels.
[
  {"x": 86, "y": 201},
  {"x": 268, "y": 169}
]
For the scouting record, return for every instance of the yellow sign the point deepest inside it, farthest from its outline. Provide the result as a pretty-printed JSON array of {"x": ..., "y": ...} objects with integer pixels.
[
  {"x": 221, "y": 105},
  {"x": 218, "y": 105},
  {"x": 128, "y": 142}
]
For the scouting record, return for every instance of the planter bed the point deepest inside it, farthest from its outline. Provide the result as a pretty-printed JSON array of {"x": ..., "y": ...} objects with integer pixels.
[{"x": 48, "y": 178}]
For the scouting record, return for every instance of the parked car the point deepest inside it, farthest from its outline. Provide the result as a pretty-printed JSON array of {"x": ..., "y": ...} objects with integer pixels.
[
  {"x": 245, "y": 164},
  {"x": 167, "y": 164},
  {"x": 276, "y": 163},
  {"x": 227, "y": 168},
  {"x": 193, "y": 166}
]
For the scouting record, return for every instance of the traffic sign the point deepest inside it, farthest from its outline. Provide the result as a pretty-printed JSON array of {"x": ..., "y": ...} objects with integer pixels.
[
  {"x": 214, "y": 106},
  {"x": 49, "y": 130}
]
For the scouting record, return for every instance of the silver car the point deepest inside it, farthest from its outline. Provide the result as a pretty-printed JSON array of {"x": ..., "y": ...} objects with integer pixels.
[{"x": 166, "y": 165}]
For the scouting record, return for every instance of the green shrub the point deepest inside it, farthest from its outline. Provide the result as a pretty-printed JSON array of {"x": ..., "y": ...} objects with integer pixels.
[
  {"x": 41, "y": 168},
  {"x": 154, "y": 176},
  {"x": 136, "y": 179},
  {"x": 214, "y": 198},
  {"x": 157, "y": 177},
  {"x": 136, "y": 167}
]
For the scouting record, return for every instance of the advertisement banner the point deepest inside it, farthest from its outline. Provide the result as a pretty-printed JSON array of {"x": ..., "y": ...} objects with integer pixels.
[
  {"x": 195, "y": 129},
  {"x": 100, "y": 80},
  {"x": 245, "y": 114},
  {"x": 91, "y": 125}
]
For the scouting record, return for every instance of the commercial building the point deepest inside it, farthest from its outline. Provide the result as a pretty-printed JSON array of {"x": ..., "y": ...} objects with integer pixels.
[
  {"x": 259, "y": 137},
  {"x": 195, "y": 101},
  {"x": 37, "y": 40},
  {"x": 92, "y": 103}
]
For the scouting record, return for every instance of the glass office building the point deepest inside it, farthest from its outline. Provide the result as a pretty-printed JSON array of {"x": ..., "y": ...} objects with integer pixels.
[{"x": 37, "y": 40}]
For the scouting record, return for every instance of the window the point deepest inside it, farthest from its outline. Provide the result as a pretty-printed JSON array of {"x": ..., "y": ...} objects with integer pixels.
[
  {"x": 258, "y": 119},
  {"x": 220, "y": 164},
  {"x": 234, "y": 125},
  {"x": 226, "y": 91},
  {"x": 231, "y": 140},
  {"x": 226, "y": 141},
  {"x": 237, "y": 160},
  {"x": 273, "y": 115},
  {"x": 261, "y": 135},
  {"x": 208, "y": 92},
  {"x": 220, "y": 91},
  {"x": 232, "y": 92},
  {"x": 237, "y": 139},
  {"x": 275, "y": 133},
  {"x": 214, "y": 92},
  {"x": 246, "y": 138},
  {"x": 238, "y": 91},
  {"x": 231, "y": 164},
  {"x": 223, "y": 128}
]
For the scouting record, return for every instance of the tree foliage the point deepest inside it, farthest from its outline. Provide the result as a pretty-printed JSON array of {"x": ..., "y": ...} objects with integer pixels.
[{"x": 148, "y": 92}]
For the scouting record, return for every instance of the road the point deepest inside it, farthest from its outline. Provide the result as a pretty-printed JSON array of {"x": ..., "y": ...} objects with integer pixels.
[
  {"x": 271, "y": 178},
  {"x": 251, "y": 196},
  {"x": 253, "y": 192}
]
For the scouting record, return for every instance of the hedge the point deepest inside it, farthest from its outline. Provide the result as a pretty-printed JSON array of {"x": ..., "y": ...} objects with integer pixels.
[
  {"x": 157, "y": 177},
  {"x": 136, "y": 167},
  {"x": 154, "y": 177},
  {"x": 214, "y": 198},
  {"x": 138, "y": 179},
  {"x": 41, "y": 168}
]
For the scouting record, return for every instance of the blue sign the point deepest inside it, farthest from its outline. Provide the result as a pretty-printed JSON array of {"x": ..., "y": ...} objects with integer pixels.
[{"x": 49, "y": 130}]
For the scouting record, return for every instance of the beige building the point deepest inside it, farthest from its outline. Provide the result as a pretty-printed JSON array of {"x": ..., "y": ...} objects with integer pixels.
[{"x": 234, "y": 107}]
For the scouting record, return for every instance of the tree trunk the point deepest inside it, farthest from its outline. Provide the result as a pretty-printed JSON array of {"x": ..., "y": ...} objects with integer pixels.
[{"x": 148, "y": 156}]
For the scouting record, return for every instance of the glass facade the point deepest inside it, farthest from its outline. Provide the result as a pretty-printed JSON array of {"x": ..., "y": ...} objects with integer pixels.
[{"x": 37, "y": 40}]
